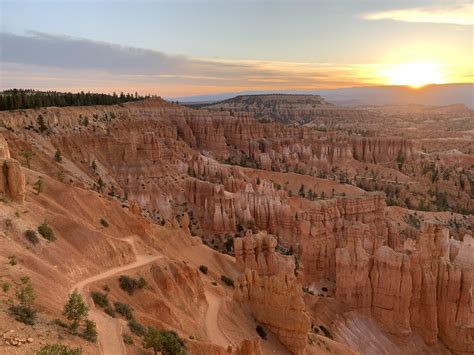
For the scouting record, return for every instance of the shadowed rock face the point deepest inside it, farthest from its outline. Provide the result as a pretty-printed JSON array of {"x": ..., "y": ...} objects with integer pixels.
[
  {"x": 12, "y": 179},
  {"x": 277, "y": 302}
]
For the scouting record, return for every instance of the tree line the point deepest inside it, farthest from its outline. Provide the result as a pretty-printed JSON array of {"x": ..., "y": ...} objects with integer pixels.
[{"x": 15, "y": 99}]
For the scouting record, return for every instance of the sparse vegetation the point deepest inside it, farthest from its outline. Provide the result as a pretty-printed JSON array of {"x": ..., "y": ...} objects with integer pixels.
[
  {"x": 59, "y": 349},
  {"x": 127, "y": 339},
  {"x": 32, "y": 237},
  {"x": 130, "y": 285},
  {"x": 100, "y": 299},
  {"x": 124, "y": 310},
  {"x": 136, "y": 328},
  {"x": 165, "y": 341},
  {"x": 39, "y": 185},
  {"x": 46, "y": 232},
  {"x": 23, "y": 311},
  {"x": 58, "y": 156},
  {"x": 326, "y": 332},
  {"x": 90, "y": 331},
  {"x": 75, "y": 310}
]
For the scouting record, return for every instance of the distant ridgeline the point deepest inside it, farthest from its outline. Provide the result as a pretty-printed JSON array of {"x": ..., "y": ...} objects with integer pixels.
[{"x": 15, "y": 99}]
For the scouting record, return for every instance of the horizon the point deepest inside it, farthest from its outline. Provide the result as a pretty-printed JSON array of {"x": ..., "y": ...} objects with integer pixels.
[{"x": 181, "y": 48}]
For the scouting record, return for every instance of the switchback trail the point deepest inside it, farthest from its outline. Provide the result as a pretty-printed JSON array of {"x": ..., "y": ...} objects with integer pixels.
[{"x": 109, "y": 329}]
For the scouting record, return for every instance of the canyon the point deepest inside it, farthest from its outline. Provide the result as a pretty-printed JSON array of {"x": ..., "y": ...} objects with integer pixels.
[{"x": 316, "y": 223}]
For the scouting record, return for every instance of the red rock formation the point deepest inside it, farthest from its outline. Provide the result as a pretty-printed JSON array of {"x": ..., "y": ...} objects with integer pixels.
[
  {"x": 276, "y": 302},
  {"x": 257, "y": 252},
  {"x": 12, "y": 179},
  {"x": 391, "y": 290}
]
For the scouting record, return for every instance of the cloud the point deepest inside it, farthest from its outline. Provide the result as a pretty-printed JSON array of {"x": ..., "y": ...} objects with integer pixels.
[{"x": 457, "y": 14}]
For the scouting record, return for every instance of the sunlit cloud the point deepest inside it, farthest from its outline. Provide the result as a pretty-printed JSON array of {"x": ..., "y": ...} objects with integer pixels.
[
  {"x": 456, "y": 14},
  {"x": 51, "y": 62}
]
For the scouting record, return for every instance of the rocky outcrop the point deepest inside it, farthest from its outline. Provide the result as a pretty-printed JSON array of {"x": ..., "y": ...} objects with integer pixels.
[
  {"x": 276, "y": 302},
  {"x": 456, "y": 299},
  {"x": 391, "y": 290},
  {"x": 257, "y": 252},
  {"x": 352, "y": 270},
  {"x": 12, "y": 179}
]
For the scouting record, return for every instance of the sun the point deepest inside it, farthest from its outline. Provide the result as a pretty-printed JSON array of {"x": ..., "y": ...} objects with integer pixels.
[{"x": 415, "y": 75}]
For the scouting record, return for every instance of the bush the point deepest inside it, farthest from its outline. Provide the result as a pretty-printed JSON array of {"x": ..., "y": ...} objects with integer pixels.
[
  {"x": 127, "y": 339},
  {"x": 23, "y": 314},
  {"x": 124, "y": 310},
  {"x": 110, "y": 311},
  {"x": 261, "y": 332},
  {"x": 46, "y": 232},
  {"x": 203, "y": 269},
  {"x": 136, "y": 328},
  {"x": 60, "y": 323},
  {"x": 104, "y": 222},
  {"x": 100, "y": 299},
  {"x": 32, "y": 236},
  {"x": 90, "y": 331},
  {"x": 165, "y": 341},
  {"x": 58, "y": 349},
  {"x": 227, "y": 280},
  {"x": 129, "y": 284}
]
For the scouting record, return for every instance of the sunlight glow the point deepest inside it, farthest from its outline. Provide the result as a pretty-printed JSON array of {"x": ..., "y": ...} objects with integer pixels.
[{"x": 414, "y": 74}]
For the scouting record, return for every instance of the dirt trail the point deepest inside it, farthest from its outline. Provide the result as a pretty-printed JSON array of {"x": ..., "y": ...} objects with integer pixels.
[
  {"x": 214, "y": 332},
  {"x": 108, "y": 328}
]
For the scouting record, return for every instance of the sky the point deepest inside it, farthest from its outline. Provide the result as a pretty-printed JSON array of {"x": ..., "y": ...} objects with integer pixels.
[{"x": 178, "y": 48}]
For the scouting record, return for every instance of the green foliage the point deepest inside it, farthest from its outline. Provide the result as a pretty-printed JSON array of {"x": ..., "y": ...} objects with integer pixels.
[
  {"x": 46, "y": 232},
  {"x": 127, "y": 339},
  {"x": 58, "y": 156},
  {"x": 136, "y": 328},
  {"x": 32, "y": 236},
  {"x": 110, "y": 311},
  {"x": 12, "y": 260},
  {"x": 90, "y": 331},
  {"x": 75, "y": 310},
  {"x": 15, "y": 99},
  {"x": 301, "y": 192},
  {"x": 130, "y": 285},
  {"x": 227, "y": 280},
  {"x": 165, "y": 341},
  {"x": 42, "y": 126},
  {"x": 27, "y": 156},
  {"x": 203, "y": 269},
  {"x": 100, "y": 299},
  {"x": 39, "y": 185},
  {"x": 124, "y": 310},
  {"x": 58, "y": 349},
  {"x": 23, "y": 312}
]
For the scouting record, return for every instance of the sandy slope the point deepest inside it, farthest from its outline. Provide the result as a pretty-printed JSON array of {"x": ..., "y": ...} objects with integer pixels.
[{"x": 108, "y": 328}]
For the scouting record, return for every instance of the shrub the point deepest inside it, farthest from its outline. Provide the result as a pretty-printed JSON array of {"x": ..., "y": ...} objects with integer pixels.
[
  {"x": 60, "y": 323},
  {"x": 136, "y": 328},
  {"x": 23, "y": 312},
  {"x": 100, "y": 299},
  {"x": 12, "y": 260},
  {"x": 129, "y": 284},
  {"x": 203, "y": 269},
  {"x": 124, "y": 310},
  {"x": 32, "y": 236},
  {"x": 75, "y": 310},
  {"x": 46, "y": 232},
  {"x": 104, "y": 222},
  {"x": 326, "y": 332},
  {"x": 90, "y": 331},
  {"x": 165, "y": 341},
  {"x": 110, "y": 311},
  {"x": 261, "y": 332},
  {"x": 227, "y": 280},
  {"x": 127, "y": 339},
  {"x": 58, "y": 349}
]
